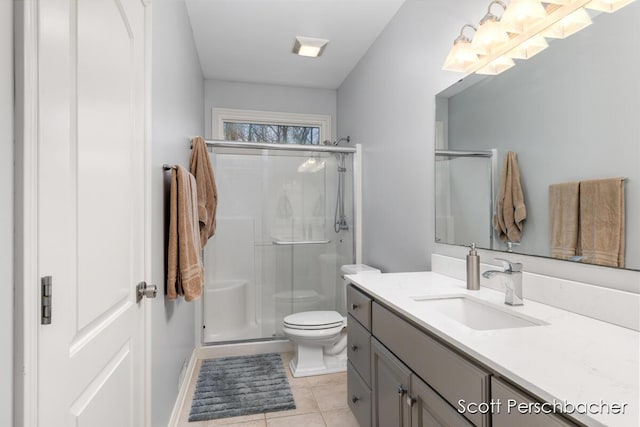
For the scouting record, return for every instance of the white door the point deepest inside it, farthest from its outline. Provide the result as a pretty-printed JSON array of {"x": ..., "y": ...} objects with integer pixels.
[{"x": 91, "y": 207}]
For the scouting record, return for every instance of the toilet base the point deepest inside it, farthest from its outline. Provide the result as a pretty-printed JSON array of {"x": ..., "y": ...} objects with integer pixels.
[{"x": 310, "y": 361}]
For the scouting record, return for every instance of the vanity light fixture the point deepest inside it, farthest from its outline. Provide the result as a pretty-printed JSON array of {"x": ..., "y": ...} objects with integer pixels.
[
  {"x": 529, "y": 48},
  {"x": 607, "y": 5},
  {"x": 522, "y": 15},
  {"x": 491, "y": 32},
  {"x": 561, "y": 2},
  {"x": 568, "y": 25},
  {"x": 527, "y": 23},
  {"x": 498, "y": 65},
  {"x": 311, "y": 165},
  {"x": 309, "y": 46},
  {"x": 462, "y": 55}
]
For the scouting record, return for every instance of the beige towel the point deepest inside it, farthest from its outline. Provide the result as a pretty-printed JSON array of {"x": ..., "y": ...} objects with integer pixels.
[
  {"x": 602, "y": 222},
  {"x": 511, "y": 211},
  {"x": 185, "y": 274},
  {"x": 563, "y": 219},
  {"x": 207, "y": 191}
]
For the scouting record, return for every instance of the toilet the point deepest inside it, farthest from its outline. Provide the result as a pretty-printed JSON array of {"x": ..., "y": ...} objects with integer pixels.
[{"x": 320, "y": 337}]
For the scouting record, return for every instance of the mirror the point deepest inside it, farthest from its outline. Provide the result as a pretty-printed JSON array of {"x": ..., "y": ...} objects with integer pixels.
[{"x": 571, "y": 114}]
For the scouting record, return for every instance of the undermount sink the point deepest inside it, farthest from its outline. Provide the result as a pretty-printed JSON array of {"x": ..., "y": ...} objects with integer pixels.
[{"x": 477, "y": 314}]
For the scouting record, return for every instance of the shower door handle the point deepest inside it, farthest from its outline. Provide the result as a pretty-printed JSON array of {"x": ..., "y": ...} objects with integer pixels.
[{"x": 301, "y": 242}]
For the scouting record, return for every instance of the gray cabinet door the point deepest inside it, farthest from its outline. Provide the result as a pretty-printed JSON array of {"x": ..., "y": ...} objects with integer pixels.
[
  {"x": 390, "y": 380},
  {"x": 508, "y": 415},
  {"x": 428, "y": 409}
]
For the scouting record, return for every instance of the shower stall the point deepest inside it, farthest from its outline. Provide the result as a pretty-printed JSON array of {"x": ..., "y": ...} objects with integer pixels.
[
  {"x": 465, "y": 181},
  {"x": 286, "y": 222}
]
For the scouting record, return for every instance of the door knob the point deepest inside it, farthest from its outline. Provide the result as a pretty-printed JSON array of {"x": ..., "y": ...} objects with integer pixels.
[{"x": 144, "y": 290}]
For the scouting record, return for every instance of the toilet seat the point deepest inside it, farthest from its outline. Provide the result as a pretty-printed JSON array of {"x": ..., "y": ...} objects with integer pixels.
[{"x": 314, "y": 320}]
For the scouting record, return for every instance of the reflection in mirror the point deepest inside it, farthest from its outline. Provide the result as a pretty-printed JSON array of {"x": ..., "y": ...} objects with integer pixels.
[
  {"x": 470, "y": 174},
  {"x": 571, "y": 115}
]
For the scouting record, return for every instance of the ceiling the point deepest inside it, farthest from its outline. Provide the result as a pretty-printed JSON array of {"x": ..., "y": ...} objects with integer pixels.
[{"x": 251, "y": 40}]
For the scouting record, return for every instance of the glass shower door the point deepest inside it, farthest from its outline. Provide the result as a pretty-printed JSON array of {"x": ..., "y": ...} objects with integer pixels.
[{"x": 276, "y": 250}]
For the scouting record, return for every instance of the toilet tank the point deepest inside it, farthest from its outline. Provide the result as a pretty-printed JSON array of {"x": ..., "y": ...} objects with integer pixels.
[
  {"x": 353, "y": 269},
  {"x": 357, "y": 268}
]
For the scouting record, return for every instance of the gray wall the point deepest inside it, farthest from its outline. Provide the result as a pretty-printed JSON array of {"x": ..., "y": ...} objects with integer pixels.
[
  {"x": 6, "y": 212},
  {"x": 387, "y": 104},
  {"x": 566, "y": 123},
  {"x": 177, "y": 99},
  {"x": 263, "y": 97}
]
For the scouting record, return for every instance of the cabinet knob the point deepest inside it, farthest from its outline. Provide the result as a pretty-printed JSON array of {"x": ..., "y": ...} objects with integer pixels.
[
  {"x": 402, "y": 389},
  {"x": 354, "y": 347},
  {"x": 355, "y": 399},
  {"x": 410, "y": 400},
  {"x": 355, "y": 306}
]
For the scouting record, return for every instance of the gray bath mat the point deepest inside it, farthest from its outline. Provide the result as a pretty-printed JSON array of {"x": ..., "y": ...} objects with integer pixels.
[{"x": 245, "y": 385}]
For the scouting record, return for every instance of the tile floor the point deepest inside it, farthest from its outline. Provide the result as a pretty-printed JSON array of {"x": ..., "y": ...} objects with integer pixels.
[{"x": 320, "y": 401}]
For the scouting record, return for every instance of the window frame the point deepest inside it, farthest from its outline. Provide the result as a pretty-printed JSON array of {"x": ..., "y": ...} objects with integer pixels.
[{"x": 232, "y": 115}]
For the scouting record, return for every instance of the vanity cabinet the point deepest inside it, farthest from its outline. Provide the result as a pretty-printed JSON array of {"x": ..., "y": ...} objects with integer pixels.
[
  {"x": 448, "y": 373},
  {"x": 359, "y": 306},
  {"x": 401, "y": 376},
  {"x": 359, "y": 355},
  {"x": 359, "y": 395},
  {"x": 359, "y": 348},
  {"x": 390, "y": 382},
  {"x": 428, "y": 409},
  {"x": 511, "y": 416}
]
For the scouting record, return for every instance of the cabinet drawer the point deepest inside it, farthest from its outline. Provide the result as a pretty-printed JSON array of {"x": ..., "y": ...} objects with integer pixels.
[
  {"x": 359, "y": 397},
  {"x": 509, "y": 415},
  {"x": 359, "y": 306},
  {"x": 452, "y": 376},
  {"x": 359, "y": 348}
]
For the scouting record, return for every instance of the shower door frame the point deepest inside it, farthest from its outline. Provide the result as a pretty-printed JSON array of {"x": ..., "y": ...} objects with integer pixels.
[
  {"x": 280, "y": 344},
  {"x": 492, "y": 156}
]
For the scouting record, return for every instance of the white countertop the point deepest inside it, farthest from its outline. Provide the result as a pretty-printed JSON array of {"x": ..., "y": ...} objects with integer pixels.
[{"x": 574, "y": 358}]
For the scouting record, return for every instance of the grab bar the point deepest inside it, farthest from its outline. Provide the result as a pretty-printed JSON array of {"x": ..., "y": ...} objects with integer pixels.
[{"x": 301, "y": 242}]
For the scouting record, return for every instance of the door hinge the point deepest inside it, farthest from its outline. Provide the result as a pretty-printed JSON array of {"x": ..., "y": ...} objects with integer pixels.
[{"x": 45, "y": 286}]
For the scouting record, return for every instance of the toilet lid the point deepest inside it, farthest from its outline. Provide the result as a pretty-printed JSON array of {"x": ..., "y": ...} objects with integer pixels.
[{"x": 314, "y": 320}]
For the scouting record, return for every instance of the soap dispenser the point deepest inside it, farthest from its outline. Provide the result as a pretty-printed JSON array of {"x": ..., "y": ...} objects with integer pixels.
[{"x": 473, "y": 269}]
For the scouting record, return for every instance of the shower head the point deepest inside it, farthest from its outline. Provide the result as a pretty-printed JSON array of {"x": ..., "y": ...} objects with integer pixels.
[{"x": 337, "y": 141}]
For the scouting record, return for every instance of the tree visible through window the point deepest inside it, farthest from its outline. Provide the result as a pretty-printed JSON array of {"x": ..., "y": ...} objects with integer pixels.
[{"x": 271, "y": 133}]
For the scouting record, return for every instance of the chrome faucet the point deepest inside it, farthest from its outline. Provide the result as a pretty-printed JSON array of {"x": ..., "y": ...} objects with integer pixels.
[{"x": 513, "y": 280}]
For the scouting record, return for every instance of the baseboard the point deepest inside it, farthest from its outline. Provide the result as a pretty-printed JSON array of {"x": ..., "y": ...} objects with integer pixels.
[
  {"x": 182, "y": 392},
  {"x": 243, "y": 349}
]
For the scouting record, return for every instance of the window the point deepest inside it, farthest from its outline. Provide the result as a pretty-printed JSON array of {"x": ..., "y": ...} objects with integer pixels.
[{"x": 270, "y": 127}]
